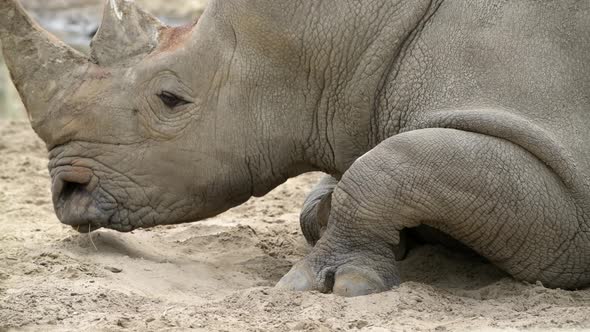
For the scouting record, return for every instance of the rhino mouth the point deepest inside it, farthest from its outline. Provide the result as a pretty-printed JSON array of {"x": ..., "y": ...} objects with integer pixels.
[{"x": 78, "y": 199}]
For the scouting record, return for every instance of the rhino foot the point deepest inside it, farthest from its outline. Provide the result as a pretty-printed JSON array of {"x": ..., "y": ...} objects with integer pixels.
[{"x": 342, "y": 274}]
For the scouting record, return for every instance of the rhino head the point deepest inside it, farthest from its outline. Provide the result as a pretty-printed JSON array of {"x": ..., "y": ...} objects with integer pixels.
[{"x": 158, "y": 125}]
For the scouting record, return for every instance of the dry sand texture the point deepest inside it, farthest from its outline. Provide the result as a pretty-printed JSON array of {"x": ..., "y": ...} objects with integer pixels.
[{"x": 217, "y": 275}]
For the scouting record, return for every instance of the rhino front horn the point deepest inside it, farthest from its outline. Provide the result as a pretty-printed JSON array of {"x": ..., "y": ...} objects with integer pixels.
[
  {"x": 126, "y": 31},
  {"x": 40, "y": 64}
]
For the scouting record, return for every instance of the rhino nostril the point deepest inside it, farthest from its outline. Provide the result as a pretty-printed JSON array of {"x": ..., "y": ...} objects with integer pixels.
[
  {"x": 69, "y": 188},
  {"x": 67, "y": 183}
]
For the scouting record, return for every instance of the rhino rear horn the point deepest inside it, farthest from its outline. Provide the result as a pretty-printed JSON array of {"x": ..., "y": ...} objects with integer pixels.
[
  {"x": 126, "y": 31},
  {"x": 40, "y": 64}
]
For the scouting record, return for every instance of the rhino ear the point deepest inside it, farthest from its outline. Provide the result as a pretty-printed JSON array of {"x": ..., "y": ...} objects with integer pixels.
[{"x": 126, "y": 31}]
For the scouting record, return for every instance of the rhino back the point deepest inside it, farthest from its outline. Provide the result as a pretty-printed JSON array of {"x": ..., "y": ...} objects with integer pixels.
[{"x": 519, "y": 70}]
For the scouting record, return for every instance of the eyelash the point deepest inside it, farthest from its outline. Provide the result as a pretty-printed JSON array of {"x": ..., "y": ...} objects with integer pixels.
[{"x": 171, "y": 100}]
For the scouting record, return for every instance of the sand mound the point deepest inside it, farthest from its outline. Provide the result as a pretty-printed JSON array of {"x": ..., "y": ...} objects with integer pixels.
[{"x": 218, "y": 274}]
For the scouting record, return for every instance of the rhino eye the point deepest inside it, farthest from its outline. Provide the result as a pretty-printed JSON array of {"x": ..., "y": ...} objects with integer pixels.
[{"x": 171, "y": 100}]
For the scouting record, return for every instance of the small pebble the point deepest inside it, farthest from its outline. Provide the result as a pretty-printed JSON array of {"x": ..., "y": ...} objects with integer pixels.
[{"x": 113, "y": 269}]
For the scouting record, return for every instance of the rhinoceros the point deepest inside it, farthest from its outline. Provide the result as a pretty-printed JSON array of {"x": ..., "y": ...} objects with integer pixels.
[{"x": 470, "y": 118}]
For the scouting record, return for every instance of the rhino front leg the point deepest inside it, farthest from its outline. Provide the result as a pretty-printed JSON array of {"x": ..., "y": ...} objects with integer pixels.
[
  {"x": 316, "y": 209},
  {"x": 316, "y": 212},
  {"x": 486, "y": 192}
]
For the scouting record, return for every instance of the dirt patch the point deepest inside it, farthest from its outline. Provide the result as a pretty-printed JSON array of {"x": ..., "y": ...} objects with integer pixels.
[{"x": 217, "y": 275}]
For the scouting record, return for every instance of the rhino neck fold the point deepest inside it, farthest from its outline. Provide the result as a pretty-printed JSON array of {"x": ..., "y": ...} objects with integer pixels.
[{"x": 318, "y": 70}]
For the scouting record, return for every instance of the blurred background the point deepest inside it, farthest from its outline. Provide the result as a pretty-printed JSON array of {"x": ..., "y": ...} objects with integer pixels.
[{"x": 75, "y": 21}]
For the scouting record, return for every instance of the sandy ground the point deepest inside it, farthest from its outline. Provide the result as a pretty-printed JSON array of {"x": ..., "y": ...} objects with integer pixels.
[{"x": 217, "y": 275}]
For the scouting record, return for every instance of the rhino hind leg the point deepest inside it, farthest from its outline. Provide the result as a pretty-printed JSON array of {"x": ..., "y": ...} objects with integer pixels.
[{"x": 488, "y": 193}]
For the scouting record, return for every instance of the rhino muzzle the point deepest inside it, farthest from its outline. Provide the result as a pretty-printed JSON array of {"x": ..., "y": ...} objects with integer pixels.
[{"x": 75, "y": 198}]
